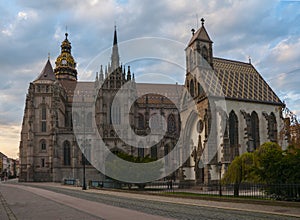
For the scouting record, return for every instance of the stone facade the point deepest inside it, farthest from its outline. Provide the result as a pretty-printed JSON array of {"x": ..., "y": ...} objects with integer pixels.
[{"x": 224, "y": 109}]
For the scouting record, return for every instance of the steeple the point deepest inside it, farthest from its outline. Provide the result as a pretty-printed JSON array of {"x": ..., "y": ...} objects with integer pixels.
[
  {"x": 65, "y": 64},
  {"x": 47, "y": 72},
  {"x": 115, "y": 59},
  {"x": 202, "y": 45}
]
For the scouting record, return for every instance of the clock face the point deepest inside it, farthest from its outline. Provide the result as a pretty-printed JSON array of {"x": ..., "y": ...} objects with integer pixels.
[{"x": 64, "y": 62}]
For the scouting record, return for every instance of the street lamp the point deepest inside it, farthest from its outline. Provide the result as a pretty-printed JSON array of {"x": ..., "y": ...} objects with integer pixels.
[
  {"x": 84, "y": 145},
  {"x": 220, "y": 175}
]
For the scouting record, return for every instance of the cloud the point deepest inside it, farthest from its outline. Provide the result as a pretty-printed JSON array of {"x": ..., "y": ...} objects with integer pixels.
[{"x": 268, "y": 31}]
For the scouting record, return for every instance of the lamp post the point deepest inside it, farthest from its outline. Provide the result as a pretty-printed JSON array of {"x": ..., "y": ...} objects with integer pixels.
[
  {"x": 220, "y": 175},
  {"x": 84, "y": 145}
]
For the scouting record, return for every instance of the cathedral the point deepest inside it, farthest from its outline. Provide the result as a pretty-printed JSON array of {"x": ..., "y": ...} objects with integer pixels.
[{"x": 224, "y": 108}]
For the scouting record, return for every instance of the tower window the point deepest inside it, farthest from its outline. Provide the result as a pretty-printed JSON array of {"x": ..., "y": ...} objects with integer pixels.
[
  {"x": 43, "y": 145},
  {"x": 67, "y": 153},
  {"x": 44, "y": 126},
  {"x": 43, "y": 163}
]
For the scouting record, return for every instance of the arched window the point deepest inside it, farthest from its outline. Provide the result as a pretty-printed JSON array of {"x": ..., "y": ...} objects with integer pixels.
[
  {"x": 43, "y": 145},
  {"x": 234, "y": 134},
  {"x": 141, "y": 122},
  {"x": 141, "y": 151},
  {"x": 205, "y": 53},
  {"x": 155, "y": 122},
  {"x": 171, "y": 124},
  {"x": 272, "y": 127},
  {"x": 116, "y": 113},
  {"x": 192, "y": 88},
  {"x": 200, "y": 89},
  {"x": 89, "y": 120},
  {"x": 67, "y": 153},
  {"x": 43, "y": 119},
  {"x": 255, "y": 130},
  {"x": 56, "y": 119},
  {"x": 154, "y": 152}
]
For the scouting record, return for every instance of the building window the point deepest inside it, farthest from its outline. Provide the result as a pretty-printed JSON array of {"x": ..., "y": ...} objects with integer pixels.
[
  {"x": 272, "y": 127},
  {"x": 115, "y": 113},
  {"x": 44, "y": 113},
  {"x": 192, "y": 88},
  {"x": 233, "y": 134},
  {"x": 67, "y": 153},
  {"x": 141, "y": 121},
  {"x": 171, "y": 124},
  {"x": 141, "y": 152},
  {"x": 44, "y": 126},
  {"x": 43, "y": 119},
  {"x": 205, "y": 53},
  {"x": 43, "y": 145},
  {"x": 43, "y": 163},
  {"x": 255, "y": 130},
  {"x": 154, "y": 152}
]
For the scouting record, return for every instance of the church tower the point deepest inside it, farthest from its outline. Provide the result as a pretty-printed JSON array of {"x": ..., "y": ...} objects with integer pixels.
[
  {"x": 199, "y": 50},
  {"x": 65, "y": 64}
]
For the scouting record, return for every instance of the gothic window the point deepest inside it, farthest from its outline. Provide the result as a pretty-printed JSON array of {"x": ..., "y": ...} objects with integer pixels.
[
  {"x": 115, "y": 113},
  {"x": 272, "y": 127},
  {"x": 44, "y": 126},
  {"x": 155, "y": 122},
  {"x": 141, "y": 152},
  {"x": 44, "y": 113},
  {"x": 141, "y": 121},
  {"x": 56, "y": 118},
  {"x": 67, "y": 153},
  {"x": 43, "y": 117},
  {"x": 43, "y": 163},
  {"x": 192, "y": 88},
  {"x": 255, "y": 130},
  {"x": 234, "y": 134},
  {"x": 200, "y": 89},
  {"x": 205, "y": 53},
  {"x": 171, "y": 124},
  {"x": 154, "y": 151},
  {"x": 89, "y": 120},
  {"x": 43, "y": 145}
]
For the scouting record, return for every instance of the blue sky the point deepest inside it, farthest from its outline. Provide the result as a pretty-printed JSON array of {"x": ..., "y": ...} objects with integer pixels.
[{"x": 268, "y": 31}]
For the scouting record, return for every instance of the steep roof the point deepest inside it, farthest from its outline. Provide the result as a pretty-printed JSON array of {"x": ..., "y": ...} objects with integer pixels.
[
  {"x": 239, "y": 81},
  {"x": 201, "y": 34},
  {"x": 47, "y": 73}
]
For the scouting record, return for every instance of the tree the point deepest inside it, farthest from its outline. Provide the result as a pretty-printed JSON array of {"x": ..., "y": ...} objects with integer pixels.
[
  {"x": 241, "y": 170},
  {"x": 269, "y": 166}
]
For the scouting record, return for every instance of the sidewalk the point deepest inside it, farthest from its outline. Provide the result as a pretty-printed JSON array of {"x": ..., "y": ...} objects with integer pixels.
[{"x": 267, "y": 209}]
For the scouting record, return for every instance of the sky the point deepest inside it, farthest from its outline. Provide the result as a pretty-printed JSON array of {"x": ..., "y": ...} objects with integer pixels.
[{"x": 268, "y": 31}]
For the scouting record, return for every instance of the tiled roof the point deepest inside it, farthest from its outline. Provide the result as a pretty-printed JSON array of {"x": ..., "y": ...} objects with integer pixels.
[{"x": 239, "y": 81}]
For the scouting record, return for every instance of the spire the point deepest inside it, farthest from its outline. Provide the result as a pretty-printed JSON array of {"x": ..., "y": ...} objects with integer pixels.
[
  {"x": 47, "y": 73},
  {"x": 115, "y": 52},
  {"x": 115, "y": 36}
]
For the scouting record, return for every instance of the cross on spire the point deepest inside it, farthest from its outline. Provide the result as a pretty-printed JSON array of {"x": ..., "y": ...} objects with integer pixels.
[{"x": 202, "y": 22}]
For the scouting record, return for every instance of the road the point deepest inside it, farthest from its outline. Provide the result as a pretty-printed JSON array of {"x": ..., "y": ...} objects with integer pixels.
[{"x": 34, "y": 201}]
